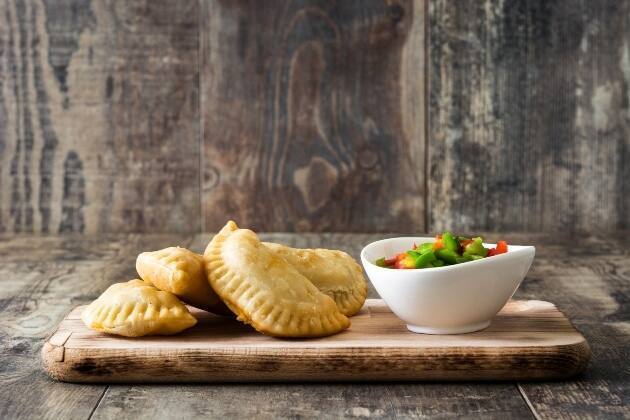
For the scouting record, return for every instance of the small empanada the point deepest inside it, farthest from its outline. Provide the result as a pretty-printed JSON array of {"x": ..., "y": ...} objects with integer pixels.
[
  {"x": 333, "y": 272},
  {"x": 264, "y": 290},
  {"x": 136, "y": 308},
  {"x": 181, "y": 272}
]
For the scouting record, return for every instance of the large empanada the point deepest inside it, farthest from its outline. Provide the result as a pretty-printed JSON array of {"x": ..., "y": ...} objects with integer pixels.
[
  {"x": 136, "y": 308},
  {"x": 181, "y": 272},
  {"x": 264, "y": 290},
  {"x": 333, "y": 272}
]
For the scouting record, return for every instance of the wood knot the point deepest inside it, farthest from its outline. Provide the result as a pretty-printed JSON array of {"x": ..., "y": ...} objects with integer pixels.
[{"x": 315, "y": 182}]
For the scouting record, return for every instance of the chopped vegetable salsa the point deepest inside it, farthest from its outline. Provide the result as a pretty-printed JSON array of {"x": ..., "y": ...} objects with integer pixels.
[{"x": 445, "y": 250}]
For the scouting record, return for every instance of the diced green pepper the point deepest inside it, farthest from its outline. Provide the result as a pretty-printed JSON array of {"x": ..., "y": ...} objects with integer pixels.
[
  {"x": 446, "y": 250},
  {"x": 448, "y": 256},
  {"x": 425, "y": 260},
  {"x": 449, "y": 242},
  {"x": 425, "y": 247},
  {"x": 463, "y": 259},
  {"x": 476, "y": 248}
]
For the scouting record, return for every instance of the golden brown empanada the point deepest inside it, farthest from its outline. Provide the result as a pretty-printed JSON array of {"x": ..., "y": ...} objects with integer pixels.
[
  {"x": 181, "y": 272},
  {"x": 136, "y": 308},
  {"x": 264, "y": 290},
  {"x": 333, "y": 272}
]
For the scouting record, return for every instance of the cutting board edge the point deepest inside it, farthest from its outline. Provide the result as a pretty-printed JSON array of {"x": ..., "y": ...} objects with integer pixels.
[
  {"x": 550, "y": 362},
  {"x": 63, "y": 362}
]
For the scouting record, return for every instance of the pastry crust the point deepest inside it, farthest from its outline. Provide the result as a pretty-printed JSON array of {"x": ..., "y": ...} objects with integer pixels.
[
  {"x": 181, "y": 272},
  {"x": 264, "y": 290},
  {"x": 333, "y": 272},
  {"x": 135, "y": 308}
]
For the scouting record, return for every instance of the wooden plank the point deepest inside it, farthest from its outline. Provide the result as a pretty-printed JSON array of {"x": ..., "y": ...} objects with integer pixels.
[
  {"x": 466, "y": 400},
  {"x": 603, "y": 391},
  {"x": 35, "y": 249},
  {"x": 99, "y": 118},
  {"x": 527, "y": 340},
  {"x": 36, "y": 396},
  {"x": 312, "y": 114},
  {"x": 527, "y": 102},
  {"x": 33, "y": 298},
  {"x": 528, "y": 126},
  {"x": 590, "y": 281},
  {"x": 36, "y": 292},
  {"x": 326, "y": 401}
]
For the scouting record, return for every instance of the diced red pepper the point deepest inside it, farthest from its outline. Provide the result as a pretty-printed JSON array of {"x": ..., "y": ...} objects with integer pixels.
[
  {"x": 501, "y": 248},
  {"x": 390, "y": 261},
  {"x": 438, "y": 244}
]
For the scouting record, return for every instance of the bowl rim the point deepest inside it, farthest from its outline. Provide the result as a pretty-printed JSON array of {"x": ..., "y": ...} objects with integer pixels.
[{"x": 519, "y": 250}]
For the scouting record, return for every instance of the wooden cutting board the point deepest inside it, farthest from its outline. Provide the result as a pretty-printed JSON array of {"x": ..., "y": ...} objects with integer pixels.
[{"x": 526, "y": 340}]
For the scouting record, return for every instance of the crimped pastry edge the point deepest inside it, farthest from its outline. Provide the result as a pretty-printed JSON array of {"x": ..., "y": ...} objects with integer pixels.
[{"x": 214, "y": 266}]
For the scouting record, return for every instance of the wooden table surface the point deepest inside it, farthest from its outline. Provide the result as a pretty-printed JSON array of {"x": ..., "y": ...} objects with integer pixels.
[{"x": 42, "y": 278}]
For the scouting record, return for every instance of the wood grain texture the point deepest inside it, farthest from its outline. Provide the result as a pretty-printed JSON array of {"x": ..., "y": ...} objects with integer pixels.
[
  {"x": 528, "y": 124},
  {"x": 155, "y": 116},
  {"x": 591, "y": 283},
  {"x": 313, "y": 115},
  {"x": 33, "y": 297},
  {"x": 99, "y": 121},
  {"x": 527, "y": 340},
  {"x": 322, "y": 401},
  {"x": 37, "y": 289}
]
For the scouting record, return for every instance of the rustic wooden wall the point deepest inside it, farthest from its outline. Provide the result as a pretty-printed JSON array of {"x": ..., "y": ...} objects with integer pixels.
[
  {"x": 99, "y": 116},
  {"x": 313, "y": 114},
  {"x": 529, "y": 115},
  {"x": 310, "y": 115}
]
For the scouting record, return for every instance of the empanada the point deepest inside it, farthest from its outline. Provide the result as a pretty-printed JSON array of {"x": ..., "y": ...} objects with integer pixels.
[
  {"x": 333, "y": 272},
  {"x": 136, "y": 308},
  {"x": 181, "y": 272},
  {"x": 264, "y": 290}
]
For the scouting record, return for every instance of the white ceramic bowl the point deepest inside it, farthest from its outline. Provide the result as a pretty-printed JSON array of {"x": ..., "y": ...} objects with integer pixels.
[{"x": 452, "y": 299}]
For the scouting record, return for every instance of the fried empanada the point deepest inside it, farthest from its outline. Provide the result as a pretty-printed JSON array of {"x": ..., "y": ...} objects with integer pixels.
[
  {"x": 333, "y": 272},
  {"x": 264, "y": 290},
  {"x": 136, "y": 308},
  {"x": 181, "y": 272}
]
